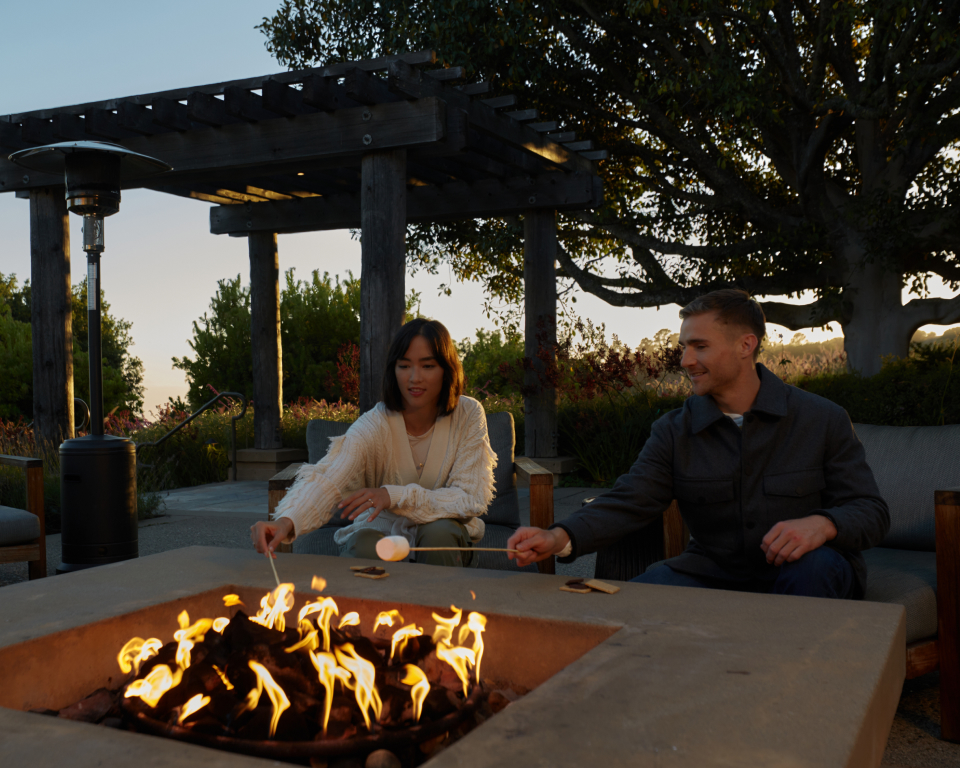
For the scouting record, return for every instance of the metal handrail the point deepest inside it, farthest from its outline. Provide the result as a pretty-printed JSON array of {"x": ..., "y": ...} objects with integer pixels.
[
  {"x": 205, "y": 406},
  {"x": 86, "y": 414}
]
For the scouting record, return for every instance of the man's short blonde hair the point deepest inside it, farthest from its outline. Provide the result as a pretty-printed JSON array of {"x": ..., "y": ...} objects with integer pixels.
[{"x": 733, "y": 307}]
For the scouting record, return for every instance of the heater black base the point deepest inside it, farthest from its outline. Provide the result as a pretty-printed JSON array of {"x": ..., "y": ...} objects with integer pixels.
[{"x": 72, "y": 567}]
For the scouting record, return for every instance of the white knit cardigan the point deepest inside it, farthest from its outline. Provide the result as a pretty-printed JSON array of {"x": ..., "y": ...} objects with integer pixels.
[{"x": 375, "y": 452}]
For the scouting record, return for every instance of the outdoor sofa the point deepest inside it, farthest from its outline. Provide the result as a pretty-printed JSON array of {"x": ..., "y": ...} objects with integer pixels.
[{"x": 917, "y": 565}]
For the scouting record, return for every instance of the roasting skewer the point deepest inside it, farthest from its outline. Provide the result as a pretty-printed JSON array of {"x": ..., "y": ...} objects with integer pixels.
[{"x": 396, "y": 548}]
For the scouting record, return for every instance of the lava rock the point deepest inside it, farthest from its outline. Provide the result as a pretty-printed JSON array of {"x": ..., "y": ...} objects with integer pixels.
[{"x": 92, "y": 709}]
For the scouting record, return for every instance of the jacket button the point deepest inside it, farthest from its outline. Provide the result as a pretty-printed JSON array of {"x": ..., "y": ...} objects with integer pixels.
[
  {"x": 750, "y": 526},
  {"x": 798, "y": 492}
]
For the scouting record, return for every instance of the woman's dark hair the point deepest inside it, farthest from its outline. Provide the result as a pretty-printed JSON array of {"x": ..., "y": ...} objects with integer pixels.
[{"x": 445, "y": 353}]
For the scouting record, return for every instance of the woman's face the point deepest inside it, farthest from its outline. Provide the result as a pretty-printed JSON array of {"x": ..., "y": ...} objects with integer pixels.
[{"x": 419, "y": 375}]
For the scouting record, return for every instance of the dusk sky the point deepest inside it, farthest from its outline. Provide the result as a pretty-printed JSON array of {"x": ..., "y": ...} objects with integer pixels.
[{"x": 161, "y": 264}]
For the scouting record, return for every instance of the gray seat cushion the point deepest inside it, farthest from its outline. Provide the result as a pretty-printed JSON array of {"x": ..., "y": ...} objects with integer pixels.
[
  {"x": 319, "y": 433},
  {"x": 318, "y": 542},
  {"x": 17, "y": 526},
  {"x": 908, "y": 578},
  {"x": 910, "y": 464},
  {"x": 505, "y": 508}
]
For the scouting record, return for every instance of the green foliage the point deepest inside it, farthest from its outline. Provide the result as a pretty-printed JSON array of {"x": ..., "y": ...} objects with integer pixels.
[
  {"x": 122, "y": 373},
  {"x": 16, "y": 362},
  {"x": 922, "y": 390},
  {"x": 774, "y": 146},
  {"x": 317, "y": 318},
  {"x": 482, "y": 358}
]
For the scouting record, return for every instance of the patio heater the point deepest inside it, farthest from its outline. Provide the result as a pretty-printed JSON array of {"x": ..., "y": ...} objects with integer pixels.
[{"x": 98, "y": 472}]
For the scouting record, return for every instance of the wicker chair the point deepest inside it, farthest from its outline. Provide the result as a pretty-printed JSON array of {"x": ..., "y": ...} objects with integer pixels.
[
  {"x": 22, "y": 534},
  {"x": 502, "y": 518}
]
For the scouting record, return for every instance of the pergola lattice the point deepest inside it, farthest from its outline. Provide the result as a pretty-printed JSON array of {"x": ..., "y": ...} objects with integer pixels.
[{"x": 369, "y": 144}]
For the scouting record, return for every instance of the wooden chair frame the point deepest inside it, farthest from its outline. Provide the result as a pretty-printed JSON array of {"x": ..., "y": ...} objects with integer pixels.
[
  {"x": 34, "y": 553},
  {"x": 923, "y": 656},
  {"x": 528, "y": 471}
]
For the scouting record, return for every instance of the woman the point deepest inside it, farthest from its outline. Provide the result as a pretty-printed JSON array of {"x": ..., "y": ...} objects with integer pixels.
[{"x": 418, "y": 465}]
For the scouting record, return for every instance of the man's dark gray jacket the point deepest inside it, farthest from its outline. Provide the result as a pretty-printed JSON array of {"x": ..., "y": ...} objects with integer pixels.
[{"x": 796, "y": 455}]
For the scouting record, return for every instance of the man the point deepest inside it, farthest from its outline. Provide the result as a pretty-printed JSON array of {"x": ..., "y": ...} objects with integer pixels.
[{"x": 771, "y": 480}]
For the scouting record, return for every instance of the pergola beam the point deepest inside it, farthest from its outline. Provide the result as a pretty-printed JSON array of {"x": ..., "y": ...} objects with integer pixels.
[
  {"x": 448, "y": 202},
  {"x": 271, "y": 143}
]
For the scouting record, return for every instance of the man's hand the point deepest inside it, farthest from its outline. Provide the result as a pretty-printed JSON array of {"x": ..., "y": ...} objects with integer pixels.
[
  {"x": 373, "y": 500},
  {"x": 267, "y": 535},
  {"x": 790, "y": 540},
  {"x": 536, "y": 544}
]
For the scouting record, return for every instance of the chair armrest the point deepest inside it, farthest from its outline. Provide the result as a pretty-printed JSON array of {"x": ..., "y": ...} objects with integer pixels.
[
  {"x": 675, "y": 533},
  {"x": 541, "y": 499},
  {"x": 947, "y": 509},
  {"x": 278, "y": 486}
]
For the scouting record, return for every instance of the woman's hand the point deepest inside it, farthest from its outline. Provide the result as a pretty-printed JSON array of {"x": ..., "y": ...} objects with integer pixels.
[
  {"x": 373, "y": 500},
  {"x": 267, "y": 535}
]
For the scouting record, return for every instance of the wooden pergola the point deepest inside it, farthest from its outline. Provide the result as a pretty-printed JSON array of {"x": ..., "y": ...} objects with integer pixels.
[{"x": 369, "y": 144}]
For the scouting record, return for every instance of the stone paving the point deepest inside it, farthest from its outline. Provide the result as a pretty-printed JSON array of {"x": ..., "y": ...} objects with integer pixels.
[{"x": 220, "y": 514}]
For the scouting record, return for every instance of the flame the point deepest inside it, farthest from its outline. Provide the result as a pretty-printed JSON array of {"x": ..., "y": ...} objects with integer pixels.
[
  {"x": 274, "y": 606},
  {"x": 476, "y": 623},
  {"x": 444, "y": 631},
  {"x": 362, "y": 684},
  {"x": 229, "y": 600},
  {"x": 473, "y": 595},
  {"x": 401, "y": 637},
  {"x": 308, "y": 637},
  {"x": 152, "y": 687},
  {"x": 329, "y": 673},
  {"x": 461, "y": 659},
  {"x": 223, "y": 677},
  {"x": 327, "y": 608},
  {"x": 188, "y": 635},
  {"x": 318, "y": 584},
  {"x": 277, "y": 697},
  {"x": 220, "y": 624},
  {"x": 137, "y": 651},
  {"x": 197, "y": 702},
  {"x": 386, "y": 618},
  {"x": 420, "y": 689},
  {"x": 352, "y": 619}
]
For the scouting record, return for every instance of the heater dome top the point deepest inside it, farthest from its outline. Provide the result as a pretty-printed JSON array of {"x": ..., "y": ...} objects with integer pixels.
[{"x": 51, "y": 158}]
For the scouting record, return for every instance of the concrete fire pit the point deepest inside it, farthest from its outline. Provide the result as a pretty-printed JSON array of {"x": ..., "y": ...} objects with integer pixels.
[{"x": 648, "y": 676}]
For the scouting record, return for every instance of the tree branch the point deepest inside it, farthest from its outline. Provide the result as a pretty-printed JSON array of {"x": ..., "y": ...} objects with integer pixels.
[{"x": 797, "y": 316}]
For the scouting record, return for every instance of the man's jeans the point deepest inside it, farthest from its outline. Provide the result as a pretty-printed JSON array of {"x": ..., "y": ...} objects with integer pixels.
[{"x": 824, "y": 572}]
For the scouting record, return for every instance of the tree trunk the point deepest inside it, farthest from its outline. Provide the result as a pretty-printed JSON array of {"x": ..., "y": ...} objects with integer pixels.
[
  {"x": 540, "y": 326},
  {"x": 383, "y": 219},
  {"x": 51, "y": 324},
  {"x": 265, "y": 340},
  {"x": 876, "y": 322}
]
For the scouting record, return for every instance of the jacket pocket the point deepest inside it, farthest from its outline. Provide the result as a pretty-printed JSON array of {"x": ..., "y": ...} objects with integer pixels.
[
  {"x": 707, "y": 491},
  {"x": 794, "y": 484}
]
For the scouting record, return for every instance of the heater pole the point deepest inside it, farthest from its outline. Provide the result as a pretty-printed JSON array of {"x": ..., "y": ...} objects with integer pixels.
[{"x": 93, "y": 245}]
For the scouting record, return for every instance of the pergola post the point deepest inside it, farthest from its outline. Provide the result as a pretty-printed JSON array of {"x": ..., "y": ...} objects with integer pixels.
[
  {"x": 51, "y": 322},
  {"x": 265, "y": 340},
  {"x": 540, "y": 326},
  {"x": 268, "y": 456},
  {"x": 383, "y": 220}
]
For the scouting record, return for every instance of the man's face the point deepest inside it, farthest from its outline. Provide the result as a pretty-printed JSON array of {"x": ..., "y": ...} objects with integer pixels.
[{"x": 714, "y": 354}]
